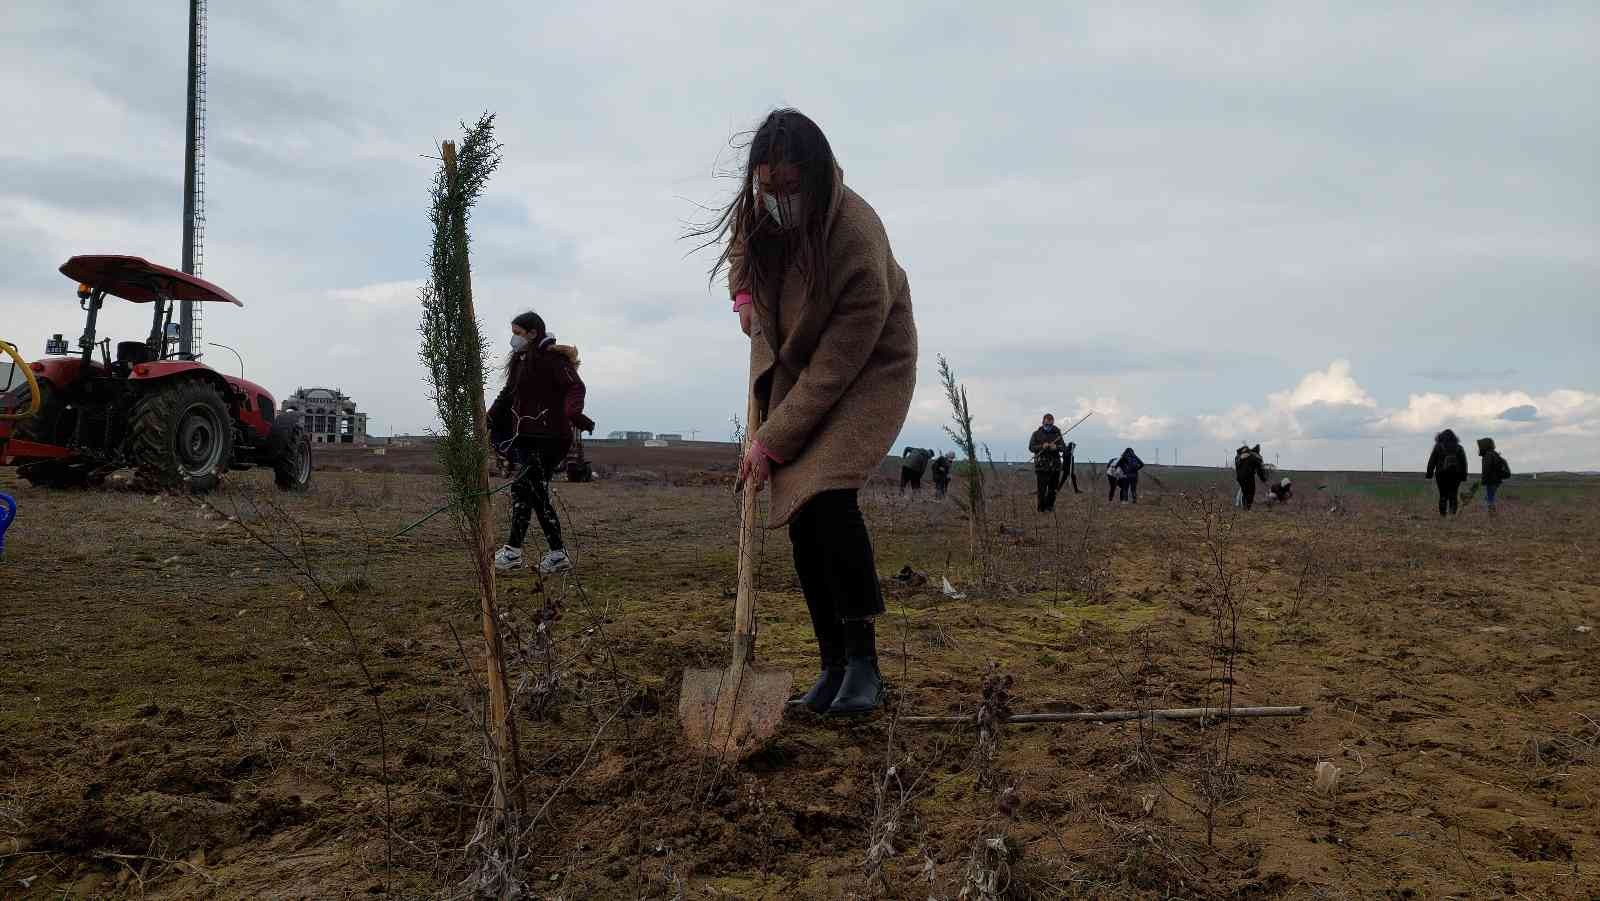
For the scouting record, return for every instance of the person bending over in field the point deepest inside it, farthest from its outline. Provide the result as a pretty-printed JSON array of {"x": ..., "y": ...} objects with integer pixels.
[
  {"x": 531, "y": 423},
  {"x": 941, "y": 474},
  {"x": 1447, "y": 466},
  {"x": 833, "y": 363},
  {"x": 1282, "y": 491},
  {"x": 1130, "y": 464},
  {"x": 913, "y": 463}
]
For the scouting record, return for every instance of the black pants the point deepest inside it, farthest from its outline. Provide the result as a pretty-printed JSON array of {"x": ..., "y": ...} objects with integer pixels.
[
  {"x": 1114, "y": 483},
  {"x": 1049, "y": 483},
  {"x": 833, "y": 558},
  {"x": 1449, "y": 495},
  {"x": 909, "y": 476},
  {"x": 536, "y": 460},
  {"x": 1248, "y": 488},
  {"x": 941, "y": 487},
  {"x": 1130, "y": 486},
  {"x": 1069, "y": 473}
]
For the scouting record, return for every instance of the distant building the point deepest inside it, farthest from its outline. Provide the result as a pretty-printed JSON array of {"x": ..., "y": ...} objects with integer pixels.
[
  {"x": 668, "y": 436},
  {"x": 327, "y": 415},
  {"x": 617, "y": 436}
]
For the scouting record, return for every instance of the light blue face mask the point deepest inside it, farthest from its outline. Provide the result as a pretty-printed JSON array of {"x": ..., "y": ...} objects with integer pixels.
[{"x": 518, "y": 342}]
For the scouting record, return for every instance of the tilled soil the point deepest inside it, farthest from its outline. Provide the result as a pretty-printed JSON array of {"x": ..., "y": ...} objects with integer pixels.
[{"x": 271, "y": 696}]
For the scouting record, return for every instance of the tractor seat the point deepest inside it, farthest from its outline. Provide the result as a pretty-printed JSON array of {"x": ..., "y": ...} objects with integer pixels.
[{"x": 133, "y": 352}]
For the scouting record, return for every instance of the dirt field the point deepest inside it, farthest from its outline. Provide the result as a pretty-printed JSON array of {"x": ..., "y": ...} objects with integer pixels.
[{"x": 184, "y": 714}]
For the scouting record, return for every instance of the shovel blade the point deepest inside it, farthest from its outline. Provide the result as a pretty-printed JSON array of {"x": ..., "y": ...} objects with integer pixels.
[{"x": 729, "y": 713}]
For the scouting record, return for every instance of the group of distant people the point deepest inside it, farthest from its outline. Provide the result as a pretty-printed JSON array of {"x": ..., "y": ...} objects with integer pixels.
[
  {"x": 1447, "y": 466},
  {"x": 915, "y": 462},
  {"x": 1248, "y": 468}
]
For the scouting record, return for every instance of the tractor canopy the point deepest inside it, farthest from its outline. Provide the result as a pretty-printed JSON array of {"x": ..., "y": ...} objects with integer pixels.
[{"x": 141, "y": 281}]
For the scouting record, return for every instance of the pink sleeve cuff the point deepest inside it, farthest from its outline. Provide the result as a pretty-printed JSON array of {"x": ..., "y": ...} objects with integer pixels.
[
  {"x": 742, "y": 300},
  {"x": 763, "y": 451}
]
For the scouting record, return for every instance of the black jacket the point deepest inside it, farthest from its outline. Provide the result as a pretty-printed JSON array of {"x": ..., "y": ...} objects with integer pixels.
[
  {"x": 1046, "y": 447},
  {"x": 1495, "y": 467},
  {"x": 1130, "y": 463},
  {"x": 1446, "y": 446},
  {"x": 1247, "y": 465}
]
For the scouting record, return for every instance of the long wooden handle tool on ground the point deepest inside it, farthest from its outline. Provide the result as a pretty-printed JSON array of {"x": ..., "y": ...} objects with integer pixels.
[
  {"x": 728, "y": 713},
  {"x": 1116, "y": 716}
]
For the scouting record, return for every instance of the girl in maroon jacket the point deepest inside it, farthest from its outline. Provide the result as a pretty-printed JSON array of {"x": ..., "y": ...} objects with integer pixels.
[{"x": 531, "y": 423}]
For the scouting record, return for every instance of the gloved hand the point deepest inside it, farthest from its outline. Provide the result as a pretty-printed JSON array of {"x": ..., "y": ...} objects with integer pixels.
[{"x": 584, "y": 423}]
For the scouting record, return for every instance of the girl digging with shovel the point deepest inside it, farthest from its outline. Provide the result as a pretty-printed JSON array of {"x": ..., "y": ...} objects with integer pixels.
[{"x": 833, "y": 360}]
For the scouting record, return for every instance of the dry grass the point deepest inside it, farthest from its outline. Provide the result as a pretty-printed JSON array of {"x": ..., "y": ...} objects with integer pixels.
[{"x": 202, "y": 718}]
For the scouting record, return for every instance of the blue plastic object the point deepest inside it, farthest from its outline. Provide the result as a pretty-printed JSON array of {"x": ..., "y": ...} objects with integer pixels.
[{"x": 8, "y": 512}]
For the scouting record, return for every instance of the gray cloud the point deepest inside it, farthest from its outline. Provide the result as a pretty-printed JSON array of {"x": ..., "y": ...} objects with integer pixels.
[
  {"x": 93, "y": 184},
  {"x": 1162, "y": 212},
  {"x": 1465, "y": 375}
]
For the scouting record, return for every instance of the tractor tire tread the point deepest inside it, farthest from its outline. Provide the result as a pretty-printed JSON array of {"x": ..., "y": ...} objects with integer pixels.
[{"x": 151, "y": 436}]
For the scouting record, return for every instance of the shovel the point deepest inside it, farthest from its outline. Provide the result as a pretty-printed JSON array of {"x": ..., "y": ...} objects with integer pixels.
[{"x": 728, "y": 713}]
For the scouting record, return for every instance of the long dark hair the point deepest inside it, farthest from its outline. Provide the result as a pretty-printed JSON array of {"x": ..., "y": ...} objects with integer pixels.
[
  {"x": 748, "y": 233},
  {"x": 528, "y": 322}
]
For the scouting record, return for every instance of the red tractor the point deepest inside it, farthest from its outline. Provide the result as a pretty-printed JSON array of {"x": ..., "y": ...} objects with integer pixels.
[{"x": 178, "y": 422}]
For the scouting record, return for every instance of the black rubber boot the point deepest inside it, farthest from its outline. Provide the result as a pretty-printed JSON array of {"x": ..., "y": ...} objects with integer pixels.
[
  {"x": 831, "y": 647},
  {"x": 822, "y": 692},
  {"x": 862, "y": 690}
]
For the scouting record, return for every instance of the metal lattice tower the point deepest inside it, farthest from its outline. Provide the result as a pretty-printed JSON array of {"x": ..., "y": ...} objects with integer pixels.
[{"x": 194, "y": 180}]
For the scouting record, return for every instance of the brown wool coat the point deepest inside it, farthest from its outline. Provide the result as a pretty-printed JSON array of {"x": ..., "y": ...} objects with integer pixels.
[{"x": 835, "y": 376}]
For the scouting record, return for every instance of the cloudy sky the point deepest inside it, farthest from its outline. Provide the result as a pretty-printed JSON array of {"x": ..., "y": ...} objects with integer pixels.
[{"x": 1325, "y": 228}]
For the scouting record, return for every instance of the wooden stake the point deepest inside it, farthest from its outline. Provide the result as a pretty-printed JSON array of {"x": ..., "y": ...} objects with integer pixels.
[
  {"x": 502, "y": 727},
  {"x": 1115, "y": 716}
]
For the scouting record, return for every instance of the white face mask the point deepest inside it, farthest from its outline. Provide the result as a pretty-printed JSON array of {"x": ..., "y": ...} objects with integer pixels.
[
  {"x": 518, "y": 342},
  {"x": 788, "y": 210}
]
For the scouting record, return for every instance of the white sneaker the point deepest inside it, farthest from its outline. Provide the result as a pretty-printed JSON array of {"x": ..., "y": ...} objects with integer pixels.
[
  {"x": 555, "y": 562},
  {"x": 507, "y": 559}
]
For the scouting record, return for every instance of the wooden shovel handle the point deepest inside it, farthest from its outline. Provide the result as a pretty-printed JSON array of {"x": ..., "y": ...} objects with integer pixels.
[{"x": 744, "y": 610}]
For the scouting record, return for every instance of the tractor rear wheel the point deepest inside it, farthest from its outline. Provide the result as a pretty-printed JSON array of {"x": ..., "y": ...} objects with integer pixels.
[
  {"x": 181, "y": 437},
  {"x": 291, "y": 458}
]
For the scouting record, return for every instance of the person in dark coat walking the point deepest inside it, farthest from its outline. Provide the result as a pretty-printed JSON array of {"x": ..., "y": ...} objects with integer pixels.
[
  {"x": 1495, "y": 471},
  {"x": 1069, "y": 468},
  {"x": 531, "y": 423},
  {"x": 1130, "y": 464},
  {"x": 1247, "y": 468},
  {"x": 1047, "y": 448},
  {"x": 1447, "y": 466}
]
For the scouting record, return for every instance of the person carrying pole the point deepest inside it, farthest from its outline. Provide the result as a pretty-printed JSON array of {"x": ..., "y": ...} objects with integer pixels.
[{"x": 1047, "y": 447}]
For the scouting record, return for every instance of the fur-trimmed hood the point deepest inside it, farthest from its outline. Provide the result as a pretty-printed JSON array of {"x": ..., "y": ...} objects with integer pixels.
[
  {"x": 1485, "y": 445},
  {"x": 570, "y": 351}
]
